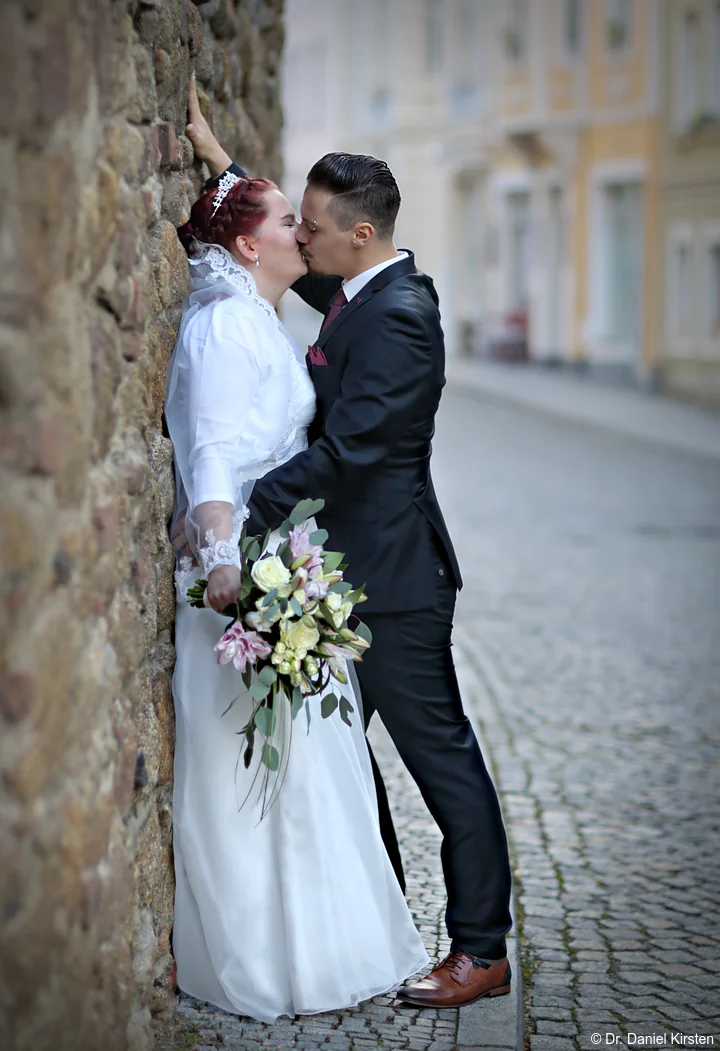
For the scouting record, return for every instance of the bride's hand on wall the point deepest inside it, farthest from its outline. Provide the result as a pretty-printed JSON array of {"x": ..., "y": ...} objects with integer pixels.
[
  {"x": 223, "y": 586},
  {"x": 205, "y": 145},
  {"x": 178, "y": 539}
]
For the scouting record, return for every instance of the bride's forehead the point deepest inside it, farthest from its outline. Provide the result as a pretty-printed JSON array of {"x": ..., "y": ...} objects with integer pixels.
[{"x": 278, "y": 203}]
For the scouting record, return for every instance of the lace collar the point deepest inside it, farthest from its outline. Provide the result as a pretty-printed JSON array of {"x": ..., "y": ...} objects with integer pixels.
[{"x": 212, "y": 265}]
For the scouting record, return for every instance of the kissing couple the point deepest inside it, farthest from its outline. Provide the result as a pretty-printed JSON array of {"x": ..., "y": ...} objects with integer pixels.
[{"x": 304, "y": 911}]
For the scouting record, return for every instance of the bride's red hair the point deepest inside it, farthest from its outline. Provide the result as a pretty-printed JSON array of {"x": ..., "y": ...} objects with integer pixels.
[{"x": 241, "y": 213}]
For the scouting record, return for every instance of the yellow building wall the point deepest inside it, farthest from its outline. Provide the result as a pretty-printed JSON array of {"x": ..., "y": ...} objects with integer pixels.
[
  {"x": 517, "y": 96},
  {"x": 563, "y": 90},
  {"x": 603, "y": 144},
  {"x": 618, "y": 78}
]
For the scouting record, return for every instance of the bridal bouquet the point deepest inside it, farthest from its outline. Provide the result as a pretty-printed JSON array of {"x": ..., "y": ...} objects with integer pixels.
[{"x": 289, "y": 636}]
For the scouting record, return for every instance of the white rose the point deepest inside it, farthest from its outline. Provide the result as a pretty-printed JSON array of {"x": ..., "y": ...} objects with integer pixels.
[
  {"x": 333, "y": 601},
  {"x": 270, "y": 573},
  {"x": 301, "y": 637}
]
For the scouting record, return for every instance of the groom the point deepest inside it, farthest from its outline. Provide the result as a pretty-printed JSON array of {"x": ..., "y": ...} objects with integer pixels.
[{"x": 378, "y": 370}]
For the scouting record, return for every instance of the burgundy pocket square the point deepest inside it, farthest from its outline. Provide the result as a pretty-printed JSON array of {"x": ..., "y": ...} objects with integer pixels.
[{"x": 316, "y": 356}]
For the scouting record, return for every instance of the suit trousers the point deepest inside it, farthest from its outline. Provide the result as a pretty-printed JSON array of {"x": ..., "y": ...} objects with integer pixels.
[{"x": 408, "y": 677}]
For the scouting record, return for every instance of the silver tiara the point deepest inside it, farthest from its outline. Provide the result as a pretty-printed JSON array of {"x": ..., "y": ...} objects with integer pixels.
[{"x": 224, "y": 187}]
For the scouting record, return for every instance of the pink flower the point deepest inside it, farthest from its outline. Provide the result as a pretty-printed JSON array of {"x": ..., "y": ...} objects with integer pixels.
[
  {"x": 241, "y": 647},
  {"x": 340, "y": 653},
  {"x": 300, "y": 543},
  {"x": 316, "y": 589}
]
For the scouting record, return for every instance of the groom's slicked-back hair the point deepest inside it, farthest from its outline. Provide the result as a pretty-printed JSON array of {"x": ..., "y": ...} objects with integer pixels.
[{"x": 364, "y": 190}]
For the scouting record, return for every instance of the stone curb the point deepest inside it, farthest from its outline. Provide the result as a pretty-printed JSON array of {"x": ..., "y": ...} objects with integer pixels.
[
  {"x": 645, "y": 417},
  {"x": 497, "y": 1024}
]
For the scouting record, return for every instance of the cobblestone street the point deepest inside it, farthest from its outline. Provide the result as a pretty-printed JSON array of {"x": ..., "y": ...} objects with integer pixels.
[
  {"x": 587, "y": 647},
  {"x": 590, "y": 613}
]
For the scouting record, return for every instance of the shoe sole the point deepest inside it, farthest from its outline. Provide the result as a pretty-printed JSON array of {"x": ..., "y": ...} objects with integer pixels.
[{"x": 499, "y": 990}]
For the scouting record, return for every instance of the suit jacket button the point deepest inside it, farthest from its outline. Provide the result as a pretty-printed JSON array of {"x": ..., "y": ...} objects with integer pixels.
[{"x": 441, "y": 572}]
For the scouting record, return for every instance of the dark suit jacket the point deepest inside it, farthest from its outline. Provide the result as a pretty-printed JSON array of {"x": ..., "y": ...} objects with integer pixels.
[
  {"x": 369, "y": 452},
  {"x": 370, "y": 442}
]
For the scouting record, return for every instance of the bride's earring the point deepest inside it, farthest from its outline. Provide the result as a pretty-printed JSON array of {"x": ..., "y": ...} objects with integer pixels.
[{"x": 257, "y": 261}]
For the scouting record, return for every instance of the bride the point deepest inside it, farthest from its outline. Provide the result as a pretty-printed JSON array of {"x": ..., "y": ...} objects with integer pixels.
[{"x": 300, "y": 912}]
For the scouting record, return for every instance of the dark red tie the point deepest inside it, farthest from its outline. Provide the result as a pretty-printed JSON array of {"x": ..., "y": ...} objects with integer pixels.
[{"x": 336, "y": 306}]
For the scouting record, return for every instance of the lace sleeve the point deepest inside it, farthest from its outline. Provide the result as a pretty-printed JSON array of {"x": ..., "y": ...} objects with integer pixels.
[
  {"x": 227, "y": 406},
  {"x": 224, "y": 552}
]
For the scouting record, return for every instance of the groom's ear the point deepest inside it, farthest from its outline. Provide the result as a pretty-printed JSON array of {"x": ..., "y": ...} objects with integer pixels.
[{"x": 363, "y": 234}]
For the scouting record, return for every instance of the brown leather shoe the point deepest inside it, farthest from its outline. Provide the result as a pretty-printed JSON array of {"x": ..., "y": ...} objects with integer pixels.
[{"x": 458, "y": 980}]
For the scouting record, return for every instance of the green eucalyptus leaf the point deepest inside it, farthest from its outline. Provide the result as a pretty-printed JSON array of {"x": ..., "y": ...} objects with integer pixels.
[
  {"x": 319, "y": 537},
  {"x": 253, "y": 552},
  {"x": 270, "y": 597},
  {"x": 265, "y": 721},
  {"x": 346, "y": 710},
  {"x": 296, "y": 607},
  {"x": 364, "y": 632},
  {"x": 297, "y": 701},
  {"x": 284, "y": 553},
  {"x": 270, "y": 757},
  {"x": 247, "y": 677},
  {"x": 248, "y": 754},
  {"x": 331, "y": 560},
  {"x": 307, "y": 713},
  {"x": 283, "y": 604},
  {"x": 328, "y": 705},
  {"x": 268, "y": 675},
  {"x": 341, "y": 588},
  {"x": 259, "y": 690},
  {"x": 304, "y": 510}
]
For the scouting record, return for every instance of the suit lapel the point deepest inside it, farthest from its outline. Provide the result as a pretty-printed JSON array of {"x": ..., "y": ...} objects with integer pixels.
[
  {"x": 344, "y": 314},
  {"x": 390, "y": 273}
]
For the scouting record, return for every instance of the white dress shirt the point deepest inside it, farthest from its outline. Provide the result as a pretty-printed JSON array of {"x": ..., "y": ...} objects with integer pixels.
[{"x": 353, "y": 285}]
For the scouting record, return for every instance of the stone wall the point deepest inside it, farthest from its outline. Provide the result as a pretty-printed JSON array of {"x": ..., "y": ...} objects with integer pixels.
[{"x": 94, "y": 176}]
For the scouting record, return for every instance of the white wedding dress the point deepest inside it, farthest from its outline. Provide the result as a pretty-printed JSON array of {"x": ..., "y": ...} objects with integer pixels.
[{"x": 301, "y": 912}]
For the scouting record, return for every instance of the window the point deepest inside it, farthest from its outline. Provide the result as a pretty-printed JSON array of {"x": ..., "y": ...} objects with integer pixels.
[
  {"x": 623, "y": 215},
  {"x": 519, "y": 250},
  {"x": 516, "y": 30},
  {"x": 433, "y": 35},
  {"x": 380, "y": 107},
  {"x": 466, "y": 60},
  {"x": 689, "y": 100},
  {"x": 618, "y": 24},
  {"x": 714, "y": 63},
  {"x": 681, "y": 286},
  {"x": 573, "y": 26},
  {"x": 713, "y": 260}
]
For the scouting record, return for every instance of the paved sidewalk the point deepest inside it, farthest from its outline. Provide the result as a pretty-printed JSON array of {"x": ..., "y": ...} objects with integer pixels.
[
  {"x": 490, "y": 1025},
  {"x": 632, "y": 412}
]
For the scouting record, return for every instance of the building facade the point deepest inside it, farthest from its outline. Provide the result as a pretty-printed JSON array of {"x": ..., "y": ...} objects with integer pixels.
[
  {"x": 689, "y": 350},
  {"x": 543, "y": 169}
]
